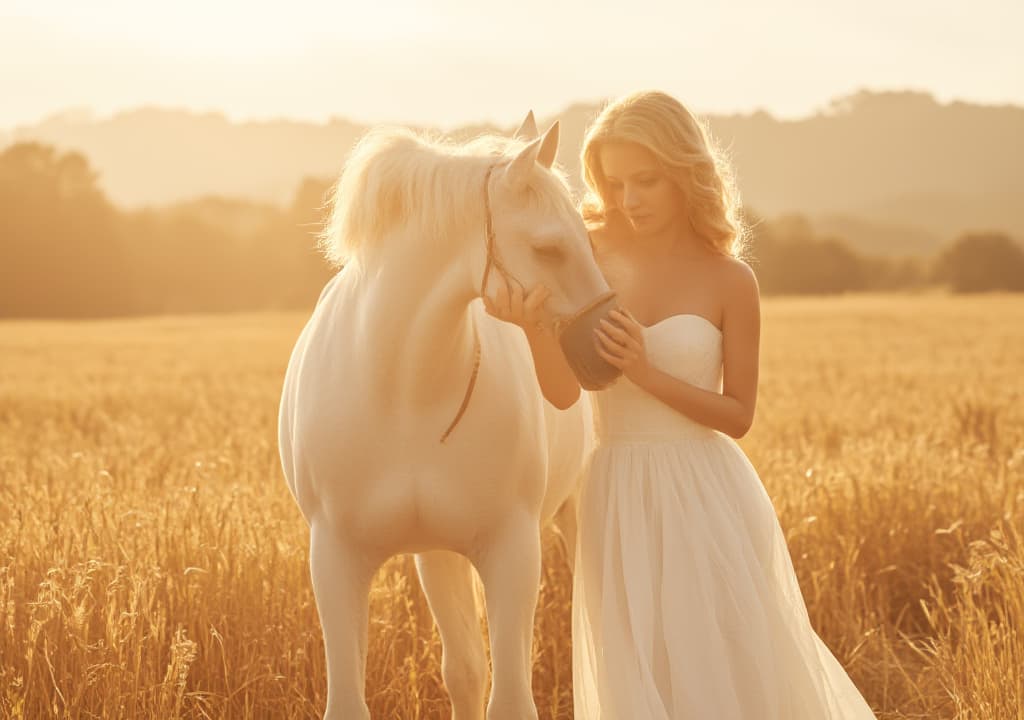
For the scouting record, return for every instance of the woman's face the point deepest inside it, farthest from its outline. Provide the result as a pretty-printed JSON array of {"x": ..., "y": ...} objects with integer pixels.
[{"x": 639, "y": 188}]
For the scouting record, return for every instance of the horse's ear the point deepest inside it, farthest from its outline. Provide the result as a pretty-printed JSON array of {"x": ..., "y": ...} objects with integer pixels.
[
  {"x": 542, "y": 150},
  {"x": 517, "y": 174},
  {"x": 528, "y": 129},
  {"x": 549, "y": 147}
]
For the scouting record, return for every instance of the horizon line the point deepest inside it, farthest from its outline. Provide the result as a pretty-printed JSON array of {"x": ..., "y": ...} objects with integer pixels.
[{"x": 94, "y": 115}]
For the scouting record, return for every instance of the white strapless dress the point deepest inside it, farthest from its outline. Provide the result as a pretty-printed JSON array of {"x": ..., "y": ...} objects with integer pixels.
[{"x": 685, "y": 602}]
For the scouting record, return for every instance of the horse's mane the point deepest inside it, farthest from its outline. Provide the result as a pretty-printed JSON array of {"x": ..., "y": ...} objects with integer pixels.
[{"x": 397, "y": 181}]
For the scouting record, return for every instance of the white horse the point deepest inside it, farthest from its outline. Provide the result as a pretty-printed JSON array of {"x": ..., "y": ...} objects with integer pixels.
[{"x": 411, "y": 421}]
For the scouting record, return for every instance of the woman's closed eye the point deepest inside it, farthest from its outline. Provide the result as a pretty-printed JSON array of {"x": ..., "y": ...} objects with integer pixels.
[{"x": 617, "y": 186}]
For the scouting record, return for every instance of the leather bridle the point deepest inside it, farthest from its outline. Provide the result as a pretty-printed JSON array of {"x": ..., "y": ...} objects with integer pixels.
[{"x": 493, "y": 260}]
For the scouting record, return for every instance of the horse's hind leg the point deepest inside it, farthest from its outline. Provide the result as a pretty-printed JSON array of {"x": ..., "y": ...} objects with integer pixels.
[
  {"x": 447, "y": 581},
  {"x": 341, "y": 581},
  {"x": 510, "y": 569},
  {"x": 566, "y": 525}
]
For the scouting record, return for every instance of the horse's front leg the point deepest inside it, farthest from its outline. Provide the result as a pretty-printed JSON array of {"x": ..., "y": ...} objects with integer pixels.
[
  {"x": 447, "y": 581},
  {"x": 341, "y": 577},
  {"x": 509, "y": 567}
]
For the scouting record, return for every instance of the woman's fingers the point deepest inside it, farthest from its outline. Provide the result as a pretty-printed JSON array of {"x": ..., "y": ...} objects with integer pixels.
[
  {"x": 621, "y": 362},
  {"x": 609, "y": 358},
  {"x": 516, "y": 302},
  {"x": 611, "y": 345},
  {"x": 533, "y": 307},
  {"x": 621, "y": 336},
  {"x": 615, "y": 331},
  {"x": 513, "y": 304},
  {"x": 498, "y": 307},
  {"x": 620, "y": 343},
  {"x": 628, "y": 324},
  {"x": 536, "y": 298},
  {"x": 501, "y": 298}
]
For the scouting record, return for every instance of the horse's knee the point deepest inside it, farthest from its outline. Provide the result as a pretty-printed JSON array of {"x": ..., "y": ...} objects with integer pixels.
[{"x": 465, "y": 676}]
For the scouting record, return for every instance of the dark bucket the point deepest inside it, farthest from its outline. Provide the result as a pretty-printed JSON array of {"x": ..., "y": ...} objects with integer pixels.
[{"x": 578, "y": 344}]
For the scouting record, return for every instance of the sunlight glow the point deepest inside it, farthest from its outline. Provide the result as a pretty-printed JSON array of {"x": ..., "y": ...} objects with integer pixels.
[{"x": 449, "y": 62}]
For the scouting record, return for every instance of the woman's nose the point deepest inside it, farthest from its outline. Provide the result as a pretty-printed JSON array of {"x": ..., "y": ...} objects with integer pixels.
[{"x": 630, "y": 198}]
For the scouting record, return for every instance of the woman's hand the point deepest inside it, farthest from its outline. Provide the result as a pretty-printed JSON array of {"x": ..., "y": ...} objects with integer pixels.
[
  {"x": 622, "y": 345},
  {"x": 510, "y": 305},
  {"x": 557, "y": 381}
]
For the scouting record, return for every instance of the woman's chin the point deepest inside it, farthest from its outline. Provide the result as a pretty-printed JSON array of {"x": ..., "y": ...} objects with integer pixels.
[{"x": 643, "y": 227}]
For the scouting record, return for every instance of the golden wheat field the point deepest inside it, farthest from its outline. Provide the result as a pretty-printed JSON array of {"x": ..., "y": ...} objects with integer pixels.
[{"x": 153, "y": 564}]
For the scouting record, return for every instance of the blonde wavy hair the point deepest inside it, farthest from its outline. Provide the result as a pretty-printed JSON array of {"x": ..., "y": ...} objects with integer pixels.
[{"x": 684, "y": 148}]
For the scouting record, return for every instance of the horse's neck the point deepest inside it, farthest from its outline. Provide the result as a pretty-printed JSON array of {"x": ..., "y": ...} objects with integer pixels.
[{"x": 424, "y": 317}]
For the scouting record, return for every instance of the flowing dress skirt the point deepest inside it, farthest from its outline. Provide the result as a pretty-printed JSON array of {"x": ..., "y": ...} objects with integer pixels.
[{"x": 685, "y": 602}]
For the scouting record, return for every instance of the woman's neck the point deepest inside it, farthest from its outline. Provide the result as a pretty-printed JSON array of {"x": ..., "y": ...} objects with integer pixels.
[{"x": 678, "y": 240}]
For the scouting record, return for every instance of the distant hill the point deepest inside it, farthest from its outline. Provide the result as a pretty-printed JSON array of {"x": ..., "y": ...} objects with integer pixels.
[
  {"x": 893, "y": 172},
  {"x": 887, "y": 158},
  {"x": 153, "y": 156}
]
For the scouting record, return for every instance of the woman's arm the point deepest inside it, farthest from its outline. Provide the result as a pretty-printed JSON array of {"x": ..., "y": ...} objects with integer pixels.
[
  {"x": 715, "y": 410},
  {"x": 557, "y": 381},
  {"x": 732, "y": 410}
]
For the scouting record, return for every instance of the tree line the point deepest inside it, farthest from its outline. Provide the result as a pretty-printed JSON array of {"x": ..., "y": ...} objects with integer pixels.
[{"x": 66, "y": 251}]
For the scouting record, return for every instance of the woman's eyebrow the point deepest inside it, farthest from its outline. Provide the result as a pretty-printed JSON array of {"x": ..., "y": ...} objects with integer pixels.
[{"x": 644, "y": 171}]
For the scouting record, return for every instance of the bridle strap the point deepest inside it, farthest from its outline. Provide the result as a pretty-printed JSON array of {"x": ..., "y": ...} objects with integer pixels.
[
  {"x": 469, "y": 388},
  {"x": 489, "y": 226},
  {"x": 491, "y": 260}
]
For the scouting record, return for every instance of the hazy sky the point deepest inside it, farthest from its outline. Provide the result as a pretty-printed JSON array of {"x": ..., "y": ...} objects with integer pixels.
[{"x": 448, "y": 62}]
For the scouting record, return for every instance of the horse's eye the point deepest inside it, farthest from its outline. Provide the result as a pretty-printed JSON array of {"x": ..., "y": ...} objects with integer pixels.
[{"x": 549, "y": 252}]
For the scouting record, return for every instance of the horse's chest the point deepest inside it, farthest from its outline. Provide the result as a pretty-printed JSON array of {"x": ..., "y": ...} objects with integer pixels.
[{"x": 408, "y": 493}]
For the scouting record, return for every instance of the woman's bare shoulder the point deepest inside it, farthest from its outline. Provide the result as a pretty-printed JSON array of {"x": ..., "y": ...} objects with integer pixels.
[
  {"x": 736, "y": 270},
  {"x": 739, "y": 282}
]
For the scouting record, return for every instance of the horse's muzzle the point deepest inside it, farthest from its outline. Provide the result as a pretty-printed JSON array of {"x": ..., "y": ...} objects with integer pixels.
[{"x": 578, "y": 344}]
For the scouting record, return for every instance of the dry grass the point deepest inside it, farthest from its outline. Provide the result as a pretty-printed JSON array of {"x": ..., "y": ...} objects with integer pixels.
[{"x": 152, "y": 563}]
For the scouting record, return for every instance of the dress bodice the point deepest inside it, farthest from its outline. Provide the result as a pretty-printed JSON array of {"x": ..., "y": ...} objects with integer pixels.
[{"x": 685, "y": 346}]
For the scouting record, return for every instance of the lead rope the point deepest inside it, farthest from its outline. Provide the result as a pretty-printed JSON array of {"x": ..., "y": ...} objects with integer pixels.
[
  {"x": 469, "y": 388},
  {"x": 483, "y": 287}
]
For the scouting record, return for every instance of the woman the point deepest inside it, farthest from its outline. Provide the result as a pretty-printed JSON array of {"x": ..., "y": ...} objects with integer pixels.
[{"x": 685, "y": 602}]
